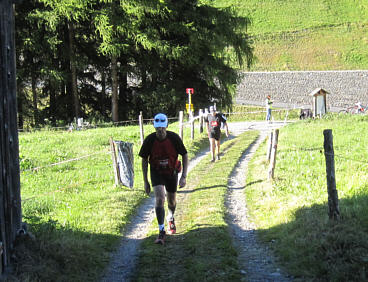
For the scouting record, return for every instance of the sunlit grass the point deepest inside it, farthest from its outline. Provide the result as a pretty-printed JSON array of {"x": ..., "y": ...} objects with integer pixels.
[
  {"x": 292, "y": 210},
  {"x": 74, "y": 209},
  {"x": 202, "y": 249},
  {"x": 254, "y": 113},
  {"x": 329, "y": 48},
  {"x": 305, "y": 35}
]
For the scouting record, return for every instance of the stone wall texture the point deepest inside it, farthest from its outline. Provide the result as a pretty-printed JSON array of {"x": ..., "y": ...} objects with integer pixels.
[{"x": 291, "y": 89}]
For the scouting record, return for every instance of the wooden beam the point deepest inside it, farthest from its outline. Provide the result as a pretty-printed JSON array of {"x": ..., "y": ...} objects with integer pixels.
[
  {"x": 333, "y": 199},
  {"x": 10, "y": 211}
]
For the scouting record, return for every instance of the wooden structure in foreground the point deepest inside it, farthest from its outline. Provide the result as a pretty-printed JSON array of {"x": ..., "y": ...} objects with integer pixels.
[{"x": 10, "y": 203}]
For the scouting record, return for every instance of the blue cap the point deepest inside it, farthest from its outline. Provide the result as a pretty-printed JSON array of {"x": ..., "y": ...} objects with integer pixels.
[{"x": 160, "y": 120}]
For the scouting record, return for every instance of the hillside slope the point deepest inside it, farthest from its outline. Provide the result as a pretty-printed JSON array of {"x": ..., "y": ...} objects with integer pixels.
[{"x": 306, "y": 34}]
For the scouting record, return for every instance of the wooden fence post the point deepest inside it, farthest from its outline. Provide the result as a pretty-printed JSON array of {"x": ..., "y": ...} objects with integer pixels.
[
  {"x": 192, "y": 128},
  {"x": 181, "y": 116},
  {"x": 114, "y": 162},
  {"x": 286, "y": 116},
  {"x": 200, "y": 121},
  {"x": 333, "y": 200},
  {"x": 272, "y": 165},
  {"x": 10, "y": 201},
  {"x": 269, "y": 145},
  {"x": 141, "y": 126}
]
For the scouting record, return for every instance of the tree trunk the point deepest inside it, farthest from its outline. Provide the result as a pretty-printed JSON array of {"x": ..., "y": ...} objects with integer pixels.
[
  {"x": 52, "y": 92},
  {"x": 103, "y": 83},
  {"x": 114, "y": 101},
  {"x": 34, "y": 100},
  {"x": 144, "y": 77},
  {"x": 73, "y": 69},
  {"x": 123, "y": 99},
  {"x": 20, "y": 98}
]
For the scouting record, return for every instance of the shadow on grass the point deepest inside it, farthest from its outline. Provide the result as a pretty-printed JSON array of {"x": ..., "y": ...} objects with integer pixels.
[
  {"x": 249, "y": 184},
  {"x": 200, "y": 189},
  {"x": 254, "y": 182},
  {"x": 52, "y": 252},
  {"x": 202, "y": 253},
  {"x": 319, "y": 249}
]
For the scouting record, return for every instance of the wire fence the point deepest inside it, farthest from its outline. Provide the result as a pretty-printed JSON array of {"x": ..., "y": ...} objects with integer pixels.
[
  {"x": 191, "y": 119},
  {"x": 352, "y": 153},
  {"x": 86, "y": 125},
  {"x": 321, "y": 151},
  {"x": 83, "y": 126},
  {"x": 339, "y": 156},
  {"x": 64, "y": 162},
  {"x": 88, "y": 157}
]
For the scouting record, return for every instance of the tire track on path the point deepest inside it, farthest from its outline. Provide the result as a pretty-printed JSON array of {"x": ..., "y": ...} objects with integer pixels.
[
  {"x": 256, "y": 261},
  {"x": 124, "y": 260}
]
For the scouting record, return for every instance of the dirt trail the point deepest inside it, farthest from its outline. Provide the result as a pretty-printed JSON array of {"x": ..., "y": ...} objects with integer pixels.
[
  {"x": 259, "y": 264},
  {"x": 255, "y": 260}
]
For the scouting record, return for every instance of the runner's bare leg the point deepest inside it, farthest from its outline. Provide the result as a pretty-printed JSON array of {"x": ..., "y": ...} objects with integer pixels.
[
  {"x": 213, "y": 147},
  {"x": 159, "y": 203},
  {"x": 218, "y": 147},
  {"x": 171, "y": 203}
]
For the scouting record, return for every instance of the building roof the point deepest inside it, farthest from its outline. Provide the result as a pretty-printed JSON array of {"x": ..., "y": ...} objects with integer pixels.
[{"x": 317, "y": 91}]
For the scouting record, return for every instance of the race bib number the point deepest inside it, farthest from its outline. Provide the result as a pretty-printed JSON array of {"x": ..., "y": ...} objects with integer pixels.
[
  {"x": 214, "y": 123},
  {"x": 163, "y": 163}
]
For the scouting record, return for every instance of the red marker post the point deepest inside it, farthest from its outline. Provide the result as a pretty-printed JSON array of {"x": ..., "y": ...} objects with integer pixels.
[{"x": 190, "y": 91}]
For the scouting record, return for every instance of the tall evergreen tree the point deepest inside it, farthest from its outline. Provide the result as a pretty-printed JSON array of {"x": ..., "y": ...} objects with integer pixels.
[{"x": 145, "y": 51}]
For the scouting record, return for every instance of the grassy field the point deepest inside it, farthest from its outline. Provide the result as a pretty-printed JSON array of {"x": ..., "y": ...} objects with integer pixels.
[
  {"x": 306, "y": 35},
  {"x": 76, "y": 214},
  {"x": 74, "y": 209},
  {"x": 254, "y": 113},
  {"x": 291, "y": 213}
]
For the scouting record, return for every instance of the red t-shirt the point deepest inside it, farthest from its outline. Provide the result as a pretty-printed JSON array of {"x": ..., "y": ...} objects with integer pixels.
[{"x": 163, "y": 154}]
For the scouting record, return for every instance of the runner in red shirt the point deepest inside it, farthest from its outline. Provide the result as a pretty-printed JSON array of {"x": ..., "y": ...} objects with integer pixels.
[
  {"x": 213, "y": 122},
  {"x": 161, "y": 149}
]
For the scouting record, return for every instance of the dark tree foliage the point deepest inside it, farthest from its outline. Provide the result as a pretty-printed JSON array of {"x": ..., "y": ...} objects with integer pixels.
[
  {"x": 193, "y": 53},
  {"x": 158, "y": 49}
]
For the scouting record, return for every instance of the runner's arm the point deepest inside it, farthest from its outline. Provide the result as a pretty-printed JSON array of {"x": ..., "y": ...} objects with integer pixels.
[
  {"x": 208, "y": 128},
  {"x": 226, "y": 129},
  {"x": 183, "y": 178},
  {"x": 147, "y": 187}
]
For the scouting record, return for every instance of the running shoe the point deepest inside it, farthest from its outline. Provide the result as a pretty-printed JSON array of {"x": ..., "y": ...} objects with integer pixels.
[
  {"x": 218, "y": 157},
  {"x": 172, "y": 227},
  {"x": 161, "y": 237}
]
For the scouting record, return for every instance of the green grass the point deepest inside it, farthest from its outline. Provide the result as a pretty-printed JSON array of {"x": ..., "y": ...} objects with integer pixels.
[
  {"x": 74, "y": 209},
  {"x": 292, "y": 211},
  {"x": 274, "y": 16},
  {"x": 306, "y": 34},
  {"x": 254, "y": 113},
  {"x": 77, "y": 214},
  {"x": 328, "y": 48},
  {"x": 202, "y": 249}
]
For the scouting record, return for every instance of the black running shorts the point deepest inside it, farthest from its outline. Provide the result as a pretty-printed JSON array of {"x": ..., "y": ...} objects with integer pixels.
[
  {"x": 169, "y": 181},
  {"x": 215, "y": 134}
]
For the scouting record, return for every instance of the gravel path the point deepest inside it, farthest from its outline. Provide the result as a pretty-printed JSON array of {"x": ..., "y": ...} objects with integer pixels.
[
  {"x": 256, "y": 262},
  {"x": 124, "y": 260}
]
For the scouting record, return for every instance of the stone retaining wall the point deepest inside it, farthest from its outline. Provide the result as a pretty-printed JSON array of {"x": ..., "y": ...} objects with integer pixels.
[{"x": 292, "y": 89}]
